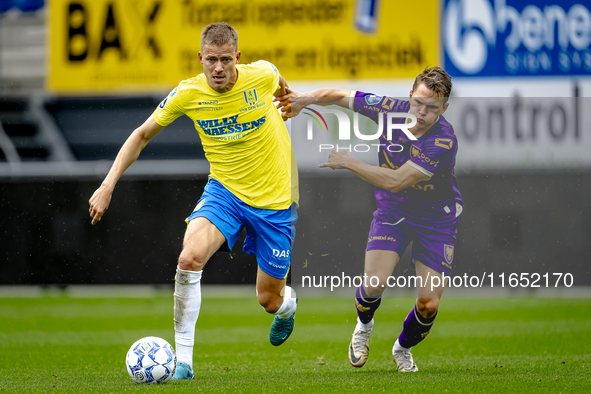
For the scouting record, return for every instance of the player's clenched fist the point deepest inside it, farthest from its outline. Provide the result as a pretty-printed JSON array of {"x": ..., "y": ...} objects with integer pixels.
[
  {"x": 99, "y": 202},
  {"x": 336, "y": 160}
]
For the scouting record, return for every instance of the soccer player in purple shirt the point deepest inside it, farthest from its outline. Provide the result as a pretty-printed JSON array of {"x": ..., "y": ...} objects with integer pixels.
[{"x": 417, "y": 198}]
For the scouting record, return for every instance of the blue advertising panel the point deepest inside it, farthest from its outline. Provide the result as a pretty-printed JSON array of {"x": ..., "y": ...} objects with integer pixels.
[{"x": 488, "y": 38}]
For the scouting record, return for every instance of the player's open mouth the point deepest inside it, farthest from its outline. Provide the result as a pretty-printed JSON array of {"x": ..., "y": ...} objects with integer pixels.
[{"x": 218, "y": 78}]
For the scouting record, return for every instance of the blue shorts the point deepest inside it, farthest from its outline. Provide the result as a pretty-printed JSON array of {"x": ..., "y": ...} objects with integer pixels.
[{"x": 269, "y": 233}]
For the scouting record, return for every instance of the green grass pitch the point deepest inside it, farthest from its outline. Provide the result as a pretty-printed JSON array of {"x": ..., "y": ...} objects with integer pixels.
[{"x": 73, "y": 345}]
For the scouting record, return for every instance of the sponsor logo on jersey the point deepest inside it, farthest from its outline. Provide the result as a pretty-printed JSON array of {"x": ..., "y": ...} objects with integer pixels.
[
  {"x": 229, "y": 125},
  {"x": 414, "y": 151},
  {"x": 281, "y": 267},
  {"x": 251, "y": 107},
  {"x": 281, "y": 254},
  {"x": 208, "y": 109},
  {"x": 444, "y": 143},
  {"x": 250, "y": 96},
  {"x": 207, "y": 102},
  {"x": 448, "y": 253},
  {"x": 372, "y": 99}
]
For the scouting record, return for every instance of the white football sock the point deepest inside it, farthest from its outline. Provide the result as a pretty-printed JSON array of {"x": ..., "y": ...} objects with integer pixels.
[
  {"x": 399, "y": 348},
  {"x": 365, "y": 326},
  {"x": 289, "y": 305},
  {"x": 187, "y": 301}
]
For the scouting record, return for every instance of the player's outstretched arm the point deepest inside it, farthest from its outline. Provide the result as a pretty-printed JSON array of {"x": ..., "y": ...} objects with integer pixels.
[
  {"x": 293, "y": 102},
  {"x": 128, "y": 154},
  {"x": 386, "y": 178}
]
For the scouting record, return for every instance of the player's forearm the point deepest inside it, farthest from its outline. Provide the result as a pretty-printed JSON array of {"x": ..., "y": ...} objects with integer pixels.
[
  {"x": 385, "y": 178},
  {"x": 328, "y": 96},
  {"x": 127, "y": 155}
]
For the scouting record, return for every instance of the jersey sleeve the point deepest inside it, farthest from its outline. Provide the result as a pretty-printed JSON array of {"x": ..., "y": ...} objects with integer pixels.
[
  {"x": 170, "y": 108},
  {"x": 370, "y": 105},
  {"x": 271, "y": 74},
  {"x": 435, "y": 154}
]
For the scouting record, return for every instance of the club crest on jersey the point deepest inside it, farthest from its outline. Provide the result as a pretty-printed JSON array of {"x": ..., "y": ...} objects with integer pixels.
[
  {"x": 448, "y": 252},
  {"x": 372, "y": 99},
  {"x": 414, "y": 151},
  {"x": 250, "y": 96}
]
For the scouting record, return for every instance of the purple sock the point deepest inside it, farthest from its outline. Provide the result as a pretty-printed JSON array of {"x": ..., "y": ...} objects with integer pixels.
[
  {"x": 366, "y": 306},
  {"x": 415, "y": 329}
]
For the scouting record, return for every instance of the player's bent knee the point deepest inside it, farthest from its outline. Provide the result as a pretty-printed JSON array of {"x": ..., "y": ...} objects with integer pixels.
[
  {"x": 374, "y": 292},
  {"x": 269, "y": 301},
  {"x": 427, "y": 307},
  {"x": 191, "y": 261}
]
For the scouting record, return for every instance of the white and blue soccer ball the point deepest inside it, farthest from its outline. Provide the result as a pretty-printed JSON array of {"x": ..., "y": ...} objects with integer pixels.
[{"x": 151, "y": 360}]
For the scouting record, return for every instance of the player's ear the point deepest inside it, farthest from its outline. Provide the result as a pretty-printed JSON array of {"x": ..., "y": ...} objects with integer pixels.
[
  {"x": 410, "y": 95},
  {"x": 200, "y": 57},
  {"x": 445, "y": 108},
  {"x": 238, "y": 56}
]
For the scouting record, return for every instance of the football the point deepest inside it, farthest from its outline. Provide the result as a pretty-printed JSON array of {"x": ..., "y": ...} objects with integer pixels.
[{"x": 151, "y": 360}]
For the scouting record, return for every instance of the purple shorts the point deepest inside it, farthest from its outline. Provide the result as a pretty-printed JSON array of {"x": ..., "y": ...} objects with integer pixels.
[{"x": 433, "y": 242}]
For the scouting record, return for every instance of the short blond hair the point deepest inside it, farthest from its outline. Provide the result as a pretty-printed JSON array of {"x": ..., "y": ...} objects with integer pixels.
[{"x": 219, "y": 34}]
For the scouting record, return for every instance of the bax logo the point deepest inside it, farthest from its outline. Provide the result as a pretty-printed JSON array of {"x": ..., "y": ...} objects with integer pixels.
[
  {"x": 517, "y": 37},
  {"x": 392, "y": 120}
]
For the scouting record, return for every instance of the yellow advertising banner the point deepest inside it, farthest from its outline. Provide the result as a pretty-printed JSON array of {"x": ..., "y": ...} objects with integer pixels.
[{"x": 105, "y": 46}]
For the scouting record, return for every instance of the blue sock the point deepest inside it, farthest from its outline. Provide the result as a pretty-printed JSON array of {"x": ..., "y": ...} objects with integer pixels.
[
  {"x": 415, "y": 329},
  {"x": 366, "y": 306}
]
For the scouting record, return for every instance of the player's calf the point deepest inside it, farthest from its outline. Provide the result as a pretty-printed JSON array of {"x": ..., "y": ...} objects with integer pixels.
[
  {"x": 366, "y": 305},
  {"x": 187, "y": 302},
  {"x": 416, "y": 327},
  {"x": 359, "y": 345}
]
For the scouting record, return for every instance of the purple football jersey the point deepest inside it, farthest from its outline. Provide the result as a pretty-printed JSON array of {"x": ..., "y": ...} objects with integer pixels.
[{"x": 434, "y": 154}]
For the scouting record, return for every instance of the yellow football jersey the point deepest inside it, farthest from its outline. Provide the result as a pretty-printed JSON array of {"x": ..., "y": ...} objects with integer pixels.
[{"x": 244, "y": 138}]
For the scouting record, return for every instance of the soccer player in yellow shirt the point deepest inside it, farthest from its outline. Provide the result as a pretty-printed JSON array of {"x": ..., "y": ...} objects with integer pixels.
[{"x": 252, "y": 183}]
